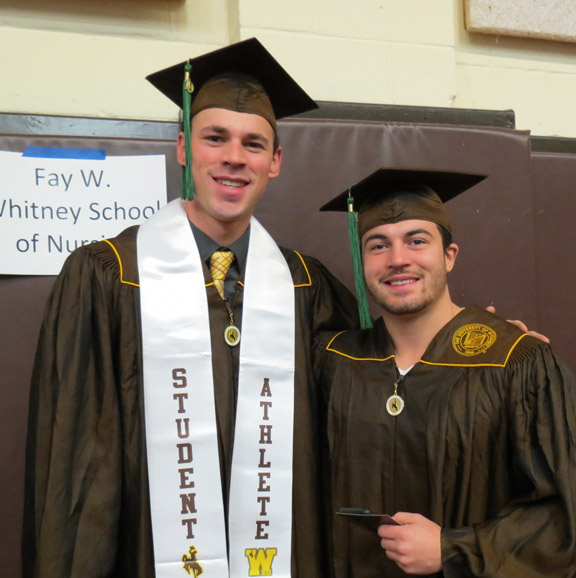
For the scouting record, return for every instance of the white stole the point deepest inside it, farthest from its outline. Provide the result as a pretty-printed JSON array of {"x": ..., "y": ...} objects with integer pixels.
[{"x": 181, "y": 431}]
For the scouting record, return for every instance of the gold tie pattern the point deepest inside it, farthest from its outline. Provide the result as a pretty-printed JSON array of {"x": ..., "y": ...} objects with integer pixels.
[{"x": 219, "y": 264}]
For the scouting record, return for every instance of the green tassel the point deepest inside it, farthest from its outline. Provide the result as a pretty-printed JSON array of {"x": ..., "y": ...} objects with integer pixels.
[
  {"x": 187, "y": 177},
  {"x": 363, "y": 310}
]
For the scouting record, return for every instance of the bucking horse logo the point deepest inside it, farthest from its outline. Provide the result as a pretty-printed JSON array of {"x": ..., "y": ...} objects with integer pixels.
[{"x": 191, "y": 564}]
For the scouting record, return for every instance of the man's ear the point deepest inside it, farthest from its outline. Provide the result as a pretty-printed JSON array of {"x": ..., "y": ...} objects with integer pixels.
[
  {"x": 450, "y": 256},
  {"x": 275, "y": 164},
  {"x": 181, "y": 149}
]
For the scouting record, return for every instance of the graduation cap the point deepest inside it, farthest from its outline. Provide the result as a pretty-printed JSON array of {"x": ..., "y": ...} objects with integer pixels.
[
  {"x": 242, "y": 77},
  {"x": 394, "y": 195},
  {"x": 249, "y": 58}
]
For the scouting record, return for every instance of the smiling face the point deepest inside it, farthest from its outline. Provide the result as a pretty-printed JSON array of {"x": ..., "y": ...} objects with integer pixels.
[
  {"x": 405, "y": 266},
  {"x": 233, "y": 157}
]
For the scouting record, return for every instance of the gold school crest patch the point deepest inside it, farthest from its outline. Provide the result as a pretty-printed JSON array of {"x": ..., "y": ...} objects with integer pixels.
[{"x": 473, "y": 339}]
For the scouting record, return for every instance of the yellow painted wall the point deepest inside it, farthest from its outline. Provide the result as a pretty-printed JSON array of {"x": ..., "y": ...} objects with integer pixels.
[{"x": 86, "y": 58}]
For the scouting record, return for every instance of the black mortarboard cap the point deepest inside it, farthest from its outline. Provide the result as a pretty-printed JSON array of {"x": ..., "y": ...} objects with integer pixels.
[
  {"x": 246, "y": 57},
  {"x": 392, "y": 195}
]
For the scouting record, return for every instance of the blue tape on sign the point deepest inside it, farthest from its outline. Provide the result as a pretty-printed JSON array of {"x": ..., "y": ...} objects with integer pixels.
[{"x": 62, "y": 153}]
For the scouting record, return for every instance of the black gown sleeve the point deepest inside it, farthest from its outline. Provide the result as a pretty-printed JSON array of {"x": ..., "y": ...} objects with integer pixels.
[
  {"x": 73, "y": 462},
  {"x": 534, "y": 534}
]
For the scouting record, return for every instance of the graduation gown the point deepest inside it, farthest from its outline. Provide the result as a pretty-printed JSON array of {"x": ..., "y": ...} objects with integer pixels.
[
  {"x": 485, "y": 447},
  {"x": 87, "y": 509}
]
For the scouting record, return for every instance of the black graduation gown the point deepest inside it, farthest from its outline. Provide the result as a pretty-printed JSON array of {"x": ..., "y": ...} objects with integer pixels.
[
  {"x": 485, "y": 447},
  {"x": 87, "y": 511}
]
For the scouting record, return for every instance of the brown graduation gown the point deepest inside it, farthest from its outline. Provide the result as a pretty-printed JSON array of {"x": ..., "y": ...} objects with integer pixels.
[
  {"x": 485, "y": 447},
  {"x": 87, "y": 511}
]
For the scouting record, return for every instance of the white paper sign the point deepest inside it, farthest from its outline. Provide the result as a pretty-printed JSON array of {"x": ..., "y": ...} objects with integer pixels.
[{"x": 51, "y": 206}]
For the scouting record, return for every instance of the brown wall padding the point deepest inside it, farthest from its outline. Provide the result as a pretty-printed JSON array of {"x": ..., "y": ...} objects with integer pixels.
[
  {"x": 514, "y": 231},
  {"x": 554, "y": 187}
]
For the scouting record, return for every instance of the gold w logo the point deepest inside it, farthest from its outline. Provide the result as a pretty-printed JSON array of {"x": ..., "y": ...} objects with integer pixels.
[{"x": 260, "y": 560}]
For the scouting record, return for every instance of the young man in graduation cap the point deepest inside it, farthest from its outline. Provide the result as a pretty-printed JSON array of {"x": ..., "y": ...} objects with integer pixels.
[
  {"x": 172, "y": 426},
  {"x": 449, "y": 419}
]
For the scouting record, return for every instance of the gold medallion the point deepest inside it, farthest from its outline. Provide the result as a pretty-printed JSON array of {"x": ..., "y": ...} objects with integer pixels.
[
  {"x": 394, "y": 405},
  {"x": 232, "y": 335}
]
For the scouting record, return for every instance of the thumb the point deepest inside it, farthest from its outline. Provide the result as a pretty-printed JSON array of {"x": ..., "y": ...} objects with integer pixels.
[{"x": 405, "y": 517}]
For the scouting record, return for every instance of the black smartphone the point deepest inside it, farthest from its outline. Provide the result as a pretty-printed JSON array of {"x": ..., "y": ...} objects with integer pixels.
[{"x": 366, "y": 518}]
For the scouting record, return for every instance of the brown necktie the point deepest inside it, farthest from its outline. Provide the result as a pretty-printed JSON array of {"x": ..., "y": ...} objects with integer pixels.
[{"x": 220, "y": 262}]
